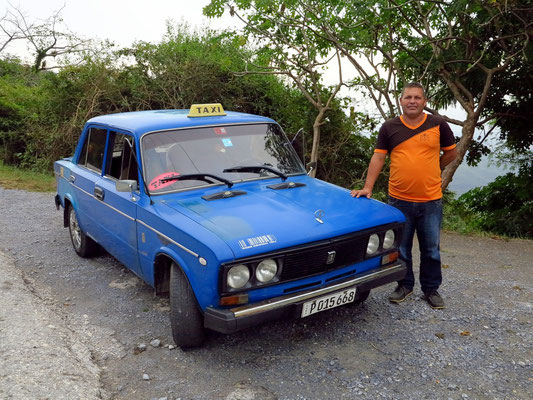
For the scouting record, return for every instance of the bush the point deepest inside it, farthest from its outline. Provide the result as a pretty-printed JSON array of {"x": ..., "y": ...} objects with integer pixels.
[
  {"x": 503, "y": 207},
  {"x": 43, "y": 113}
]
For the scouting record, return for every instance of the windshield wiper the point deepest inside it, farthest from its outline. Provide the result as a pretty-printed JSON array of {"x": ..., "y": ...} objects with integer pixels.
[
  {"x": 256, "y": 169},
  {"x": 196, "y": 177}
]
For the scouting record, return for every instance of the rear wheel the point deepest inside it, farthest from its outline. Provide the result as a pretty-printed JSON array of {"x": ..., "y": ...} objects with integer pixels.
[
  {"x": 83, "y": 245},
  {"x": 185, "y": 318},
  {"x": 361, "y": 296}
]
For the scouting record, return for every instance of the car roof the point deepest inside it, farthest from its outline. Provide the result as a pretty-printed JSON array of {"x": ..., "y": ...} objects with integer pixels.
[{"x": 140, "y": 122}]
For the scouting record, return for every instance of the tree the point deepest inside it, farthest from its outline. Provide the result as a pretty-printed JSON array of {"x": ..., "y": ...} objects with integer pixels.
[
  {"x": 45, "y": 39},
  {"x": 285, "y": 48},
  {"x": 465, "y": 52}
]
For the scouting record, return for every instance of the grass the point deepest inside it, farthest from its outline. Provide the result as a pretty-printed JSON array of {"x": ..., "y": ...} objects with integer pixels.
[{"x": 21, "y": 179}]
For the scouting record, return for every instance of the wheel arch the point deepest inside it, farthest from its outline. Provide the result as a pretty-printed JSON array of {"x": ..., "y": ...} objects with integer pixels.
[
  {"x": 67, "y": 202},
  {"x": 162, "y": 264}
]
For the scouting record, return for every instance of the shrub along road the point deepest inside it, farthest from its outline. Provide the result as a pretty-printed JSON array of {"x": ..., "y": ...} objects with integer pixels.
[{"x": 94, "y": 325}]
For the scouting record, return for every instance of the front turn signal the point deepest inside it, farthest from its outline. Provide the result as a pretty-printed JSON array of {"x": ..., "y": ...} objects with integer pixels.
[
  {"x": 391, "y": 257},
  {"x": 234, "y": 300}
]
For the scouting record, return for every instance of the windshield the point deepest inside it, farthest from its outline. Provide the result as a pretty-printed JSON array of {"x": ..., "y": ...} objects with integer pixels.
[{"x": 210, "y": 150}]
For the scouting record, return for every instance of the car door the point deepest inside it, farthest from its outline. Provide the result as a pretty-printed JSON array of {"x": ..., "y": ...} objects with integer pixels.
[
  {"x": 84, "y": 176},
  {"x": 118, "y": 210}
]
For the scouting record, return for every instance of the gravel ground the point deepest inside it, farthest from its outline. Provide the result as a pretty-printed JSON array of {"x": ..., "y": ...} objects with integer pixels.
[{"x": 479, "y": 347}]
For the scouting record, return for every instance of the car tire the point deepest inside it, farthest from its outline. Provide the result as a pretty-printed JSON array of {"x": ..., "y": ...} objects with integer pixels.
[
  {"x": 185, "y": 317},
  {"x": 83, "y": 245},
  {"x": 361, "y": 296}
]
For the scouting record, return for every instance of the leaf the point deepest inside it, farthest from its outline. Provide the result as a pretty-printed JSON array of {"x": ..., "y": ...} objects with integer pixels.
[
  {"x": 465, "y": 333},
  {"x": 440, "y": 335}
]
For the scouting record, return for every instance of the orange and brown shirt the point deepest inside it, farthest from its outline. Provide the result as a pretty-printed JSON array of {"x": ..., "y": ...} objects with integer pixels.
[{"x": 415, "y": 155}]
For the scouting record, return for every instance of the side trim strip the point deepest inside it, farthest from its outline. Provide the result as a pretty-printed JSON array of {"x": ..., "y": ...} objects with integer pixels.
[
  {"x": 267, "y": 305},
  {"x": 80, "y": 189},
  {"x": 120, "y": 212},
  {"x": 167, "y": 238},
  {"x": 104, "y": 203},
  {"x": 142, "y": 223}
]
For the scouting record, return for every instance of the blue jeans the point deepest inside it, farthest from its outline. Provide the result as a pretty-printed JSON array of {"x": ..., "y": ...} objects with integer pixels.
[{"x": 425, "y": 219}]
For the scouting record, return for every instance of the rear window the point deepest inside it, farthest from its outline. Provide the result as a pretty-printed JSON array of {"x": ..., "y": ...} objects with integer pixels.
[{"x": 92, "y": 154}]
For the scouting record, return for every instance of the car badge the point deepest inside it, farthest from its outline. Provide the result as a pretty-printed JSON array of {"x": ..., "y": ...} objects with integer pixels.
[
  {"x": 331, "y": 257},
  {"x": 319, "y": 214}
]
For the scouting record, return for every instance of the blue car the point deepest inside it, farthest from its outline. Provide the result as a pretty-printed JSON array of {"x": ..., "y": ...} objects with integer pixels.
[{"x": 215, "y": 210}]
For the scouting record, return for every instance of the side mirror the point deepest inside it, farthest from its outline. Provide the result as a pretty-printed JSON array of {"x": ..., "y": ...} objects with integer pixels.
[
  {"x": 126, "y": 186},
  {"x": 311, "y": 166}
]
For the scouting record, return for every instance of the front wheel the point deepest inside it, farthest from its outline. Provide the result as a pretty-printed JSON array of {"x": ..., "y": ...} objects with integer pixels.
[
  {"x": 185, "y": 318},
  {"x": 361, "y": 296},
  {"x": 83, "y": 245}
]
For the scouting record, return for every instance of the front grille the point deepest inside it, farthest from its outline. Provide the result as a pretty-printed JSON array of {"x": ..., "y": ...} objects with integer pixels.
[
  {"x": 350, "y": 251},
  {"x": 311, "y": 261},
  {"x": 304, "y": 263}
]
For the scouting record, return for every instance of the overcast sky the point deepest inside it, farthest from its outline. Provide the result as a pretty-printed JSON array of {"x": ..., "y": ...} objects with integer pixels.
[{"x": 121, "y": 21}]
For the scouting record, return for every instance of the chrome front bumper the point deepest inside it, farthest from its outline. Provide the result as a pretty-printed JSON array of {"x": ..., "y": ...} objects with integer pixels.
[{"x": 235, "y": 319}]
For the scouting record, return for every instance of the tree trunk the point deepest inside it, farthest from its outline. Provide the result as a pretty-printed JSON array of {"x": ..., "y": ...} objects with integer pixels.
[
  {"x": 316, "y": 139},
  {"x": 464, "y": 143}
]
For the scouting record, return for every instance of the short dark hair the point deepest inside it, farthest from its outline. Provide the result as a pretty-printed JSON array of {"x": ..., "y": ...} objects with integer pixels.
[{"x": 414, "y": 85}]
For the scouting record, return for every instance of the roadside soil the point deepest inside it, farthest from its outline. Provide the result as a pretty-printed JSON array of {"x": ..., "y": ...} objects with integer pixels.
[{"x": 479, "y": 347}]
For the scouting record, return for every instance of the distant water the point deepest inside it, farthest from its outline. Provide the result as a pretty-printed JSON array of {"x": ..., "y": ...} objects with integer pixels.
[{"x": 466, "y": 178}]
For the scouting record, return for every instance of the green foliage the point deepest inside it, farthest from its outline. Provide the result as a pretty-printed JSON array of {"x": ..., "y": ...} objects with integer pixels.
[
  {"x": 473, "y": 53},
  {"x": 346, "y": 152},
  {"x": 19, "y": 99},
  {"x": 504, "y": 207},
  {"x": 43, "y": 113}
]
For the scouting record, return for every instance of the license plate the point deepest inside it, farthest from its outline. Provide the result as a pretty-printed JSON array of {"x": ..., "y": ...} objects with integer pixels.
[{"x": 328, "y": 302}]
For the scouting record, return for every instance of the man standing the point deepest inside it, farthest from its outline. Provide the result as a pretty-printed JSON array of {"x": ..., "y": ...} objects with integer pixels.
[{"x": 415, "y": 141}]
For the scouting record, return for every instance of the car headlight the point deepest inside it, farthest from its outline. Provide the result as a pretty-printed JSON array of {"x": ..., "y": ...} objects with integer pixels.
[
  {"x": 238, "y": 276},
  {"x": 266, "y": 270},
  {"x": 373, "y": 244},
  {"x": 388, "y": 240}
]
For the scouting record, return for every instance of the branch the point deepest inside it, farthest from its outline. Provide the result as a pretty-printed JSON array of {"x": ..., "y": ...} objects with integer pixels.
[{"x": 447, "y": 119}]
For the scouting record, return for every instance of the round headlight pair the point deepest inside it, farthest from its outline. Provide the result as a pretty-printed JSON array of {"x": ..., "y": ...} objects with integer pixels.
[
  {"x": 373, "y": 242},
  {"x": 239, "y": 275}
]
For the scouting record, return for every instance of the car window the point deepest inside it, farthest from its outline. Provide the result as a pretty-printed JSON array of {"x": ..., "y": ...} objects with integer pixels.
[
  {"x": 92, "y": 154},
  {"x": 122, "y": 163},
  {"x": 210, "y": 150}
]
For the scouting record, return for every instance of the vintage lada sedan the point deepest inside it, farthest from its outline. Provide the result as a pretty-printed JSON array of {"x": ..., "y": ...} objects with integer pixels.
[{"x": 216, "y": 210}]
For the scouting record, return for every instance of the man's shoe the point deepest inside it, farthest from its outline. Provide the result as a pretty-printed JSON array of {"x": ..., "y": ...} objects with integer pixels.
[
  {"x": 434, "y": 299},
  {"x": 400, "y": 294}
]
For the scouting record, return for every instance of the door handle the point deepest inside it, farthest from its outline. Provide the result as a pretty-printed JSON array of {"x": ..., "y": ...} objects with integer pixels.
[
  {"x": 99, "y": 193},
  {"x": 71, "y": 178}
]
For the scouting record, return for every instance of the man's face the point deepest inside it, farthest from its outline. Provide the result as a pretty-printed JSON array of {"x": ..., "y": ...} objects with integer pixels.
[{"x": 413, "y": 102}]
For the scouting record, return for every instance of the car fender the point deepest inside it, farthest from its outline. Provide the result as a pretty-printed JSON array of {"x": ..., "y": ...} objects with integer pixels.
[{"x": 198, "y": 276}]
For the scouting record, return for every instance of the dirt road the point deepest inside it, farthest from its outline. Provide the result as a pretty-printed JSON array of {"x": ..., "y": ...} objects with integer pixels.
[{"x": 479, "y": 347}]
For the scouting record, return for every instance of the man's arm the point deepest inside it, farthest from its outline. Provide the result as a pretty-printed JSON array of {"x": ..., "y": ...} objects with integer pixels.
[
  {"x": 374, "y": 168},
  {"x": 447, "y": 157}
]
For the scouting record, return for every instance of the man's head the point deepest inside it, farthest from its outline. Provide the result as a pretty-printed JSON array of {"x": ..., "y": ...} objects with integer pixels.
[{"x": 413, "y": 100}]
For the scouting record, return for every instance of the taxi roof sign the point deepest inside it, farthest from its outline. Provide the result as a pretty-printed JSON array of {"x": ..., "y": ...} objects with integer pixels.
[{"x": 206, "y": 110}]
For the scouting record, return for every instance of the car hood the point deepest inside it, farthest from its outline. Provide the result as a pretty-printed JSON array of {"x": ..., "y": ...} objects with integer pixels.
[{"x": 264, "y": 219}]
